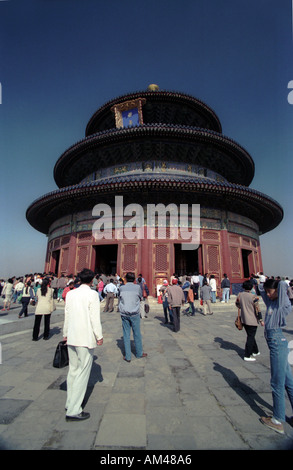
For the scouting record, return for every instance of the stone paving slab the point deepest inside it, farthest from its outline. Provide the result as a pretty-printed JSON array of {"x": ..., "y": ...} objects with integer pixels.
[{"x": 192, "y": 392}]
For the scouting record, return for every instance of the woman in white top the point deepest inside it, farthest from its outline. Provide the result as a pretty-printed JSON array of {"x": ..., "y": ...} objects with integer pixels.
[
  {"x": 213, "y": 285},
  {"x": 7, "y": 293},
  {"x": 45, "y": 306}
]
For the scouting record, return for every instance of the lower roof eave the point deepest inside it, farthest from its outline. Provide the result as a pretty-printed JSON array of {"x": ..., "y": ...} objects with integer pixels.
[{"x": 263, "y": 210}]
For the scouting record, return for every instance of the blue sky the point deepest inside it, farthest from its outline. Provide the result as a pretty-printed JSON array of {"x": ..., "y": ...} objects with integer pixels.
[{"x": 60, "y": 60}]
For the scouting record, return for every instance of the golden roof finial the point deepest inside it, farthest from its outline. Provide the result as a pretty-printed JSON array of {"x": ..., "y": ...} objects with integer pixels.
[{"x": 153, "y": 87}]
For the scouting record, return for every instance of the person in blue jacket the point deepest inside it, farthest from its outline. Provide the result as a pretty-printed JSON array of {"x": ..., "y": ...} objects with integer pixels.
[{"x": 278, "y": 307}]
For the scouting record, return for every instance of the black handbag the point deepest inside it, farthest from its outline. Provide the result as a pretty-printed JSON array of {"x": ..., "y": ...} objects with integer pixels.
[{"x": 61, "y": 355}]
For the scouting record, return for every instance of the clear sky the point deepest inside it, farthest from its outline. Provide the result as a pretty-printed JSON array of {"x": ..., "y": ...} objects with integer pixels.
[{"x": 60, "y": 60}]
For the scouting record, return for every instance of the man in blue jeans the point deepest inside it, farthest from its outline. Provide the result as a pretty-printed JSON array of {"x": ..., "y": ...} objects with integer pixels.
[{"x": 129, "y": 308}]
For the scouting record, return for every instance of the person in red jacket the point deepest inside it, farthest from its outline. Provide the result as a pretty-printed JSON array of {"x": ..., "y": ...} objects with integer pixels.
[{"x": 69, "y": 287}]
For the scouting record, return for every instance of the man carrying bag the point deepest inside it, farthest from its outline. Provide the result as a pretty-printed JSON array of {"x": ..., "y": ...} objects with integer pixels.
[{"x": 83, "y": 332}]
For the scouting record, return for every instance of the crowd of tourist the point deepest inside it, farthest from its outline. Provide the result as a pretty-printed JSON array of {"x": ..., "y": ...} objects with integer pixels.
[{"x": 44, "y": 290}]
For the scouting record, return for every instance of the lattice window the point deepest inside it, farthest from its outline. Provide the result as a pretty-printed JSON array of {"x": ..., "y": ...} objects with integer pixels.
[
  {"x": 65, "y": 257},
  {"x": 211, "y": 235},
  {"x": 246, "y": 241},
  {"x": 234, "y": 238},
  {"x": 65, "y": 240},
  {"x": 161, "y": 257},
  {"x": 82, "y": 258},
  {"x": 129, "y": 260},
  {"x": 235, "y": 260},
  {"x": 56, "y": 243},
  {"x": 87, "y": 236},
  {"x": 213, "y": 258}
]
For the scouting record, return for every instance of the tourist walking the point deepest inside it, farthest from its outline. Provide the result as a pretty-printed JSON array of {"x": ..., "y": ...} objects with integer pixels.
[
  {"x": 110, "y": 291},
  {"x": 45, "y": 306},
  {"x": 82, "y": 331},
  {"x": 7, "y": 293},
  {"x": 61, "y": 284},
  {"x": 195, "y": 284},
  {"x": 190, "y": 299},
  {"x": 250, "y": 318},
  {"x": 278, "y": 306},
  {"x": 27, "y": 295},
  {"x": 54, "y": 281},
  {"x": 225, "y": 286},
  {"x": 166, "y": 308},
  {"x": 144, "y": 304},
  {"x": 129, "y": 308},
  {"x": 68, "y": 288},
  {"x": 176, "y": 299},
  {"x": 205, "y": 295},
  {"x": 290, "y": 292},
  {"x": 18, "y": 288},
  {"x": 213, "y": 285},
  {"x": 185, "y": 287}
]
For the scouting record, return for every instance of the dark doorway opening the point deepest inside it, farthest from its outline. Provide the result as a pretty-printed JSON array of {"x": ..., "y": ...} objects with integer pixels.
[
  {"x": 55, "y": 263},
  {"x": 186, "y": 261},
  {"x": 245, "y": 262},
  {"x": 106, "y": 259}
]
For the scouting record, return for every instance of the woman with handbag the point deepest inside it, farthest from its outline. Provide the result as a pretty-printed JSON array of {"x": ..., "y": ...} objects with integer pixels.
[
  {"x": 45, "y": 306},
  {"x": 250, "y": 318}
]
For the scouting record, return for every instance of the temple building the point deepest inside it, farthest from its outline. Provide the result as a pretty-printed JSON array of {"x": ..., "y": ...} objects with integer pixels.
[{"x": 154, "y": 149}]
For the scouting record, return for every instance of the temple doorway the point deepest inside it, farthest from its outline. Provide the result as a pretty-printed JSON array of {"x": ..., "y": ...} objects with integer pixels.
[
  {"x": 186, "y": 261},
  {"x": 55, "y": 262},
  {"x": 246, "y": 262},
  {"x": 106, "y": 259}
]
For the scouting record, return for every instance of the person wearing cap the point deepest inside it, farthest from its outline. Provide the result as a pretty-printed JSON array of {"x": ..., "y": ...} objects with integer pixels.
[
  {"x": 70, "y": 286},
  {"x": 175, "y": 300},
  {"x": 165, "y": 304}
]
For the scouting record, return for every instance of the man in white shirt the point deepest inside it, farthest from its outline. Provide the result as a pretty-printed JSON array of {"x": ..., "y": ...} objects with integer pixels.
[
  {"x": 83, "y": 332},
  {"x": 110, "y": 290}
]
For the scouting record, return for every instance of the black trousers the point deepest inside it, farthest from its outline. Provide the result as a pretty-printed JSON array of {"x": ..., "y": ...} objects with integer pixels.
[
  {"x": 176, "y": 318},
  {"x": 36, "y": 330},
  {"x": 25, "y": 303},
  {"x": 250, "y": 346}
]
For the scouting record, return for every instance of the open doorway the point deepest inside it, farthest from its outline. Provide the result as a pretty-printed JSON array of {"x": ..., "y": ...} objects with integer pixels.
[
  {"x": 186, "y": 261},
  {"x": 55, "y": 262},
  {"x": 246, "y": 256},
  {"x": 106, "y": 259}
]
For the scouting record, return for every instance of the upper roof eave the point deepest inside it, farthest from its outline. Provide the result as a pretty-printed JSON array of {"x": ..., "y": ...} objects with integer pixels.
[{"x": 165, "y": 95}]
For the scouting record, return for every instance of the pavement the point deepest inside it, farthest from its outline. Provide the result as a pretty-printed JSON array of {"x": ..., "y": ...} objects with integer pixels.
[{"x": 192, "y": 392}]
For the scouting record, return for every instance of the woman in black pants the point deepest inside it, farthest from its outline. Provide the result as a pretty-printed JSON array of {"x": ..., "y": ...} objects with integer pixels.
[
  {"x": 27, "y": 295},
  {"x": 45, "y": 306},
  {"x": 250, "y": 317}
]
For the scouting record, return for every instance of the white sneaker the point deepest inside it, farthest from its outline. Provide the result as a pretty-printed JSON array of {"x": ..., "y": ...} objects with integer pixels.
[
  {"x": 249, "y": 358},
  {"x": 256, "y": 354}
]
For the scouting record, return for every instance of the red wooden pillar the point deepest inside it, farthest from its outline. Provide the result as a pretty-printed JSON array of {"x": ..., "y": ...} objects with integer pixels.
[{"x": 225, "y": 254}]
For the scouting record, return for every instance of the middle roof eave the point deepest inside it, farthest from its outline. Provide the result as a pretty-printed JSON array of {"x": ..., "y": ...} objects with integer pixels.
[{"x": 156, "y": 141}]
